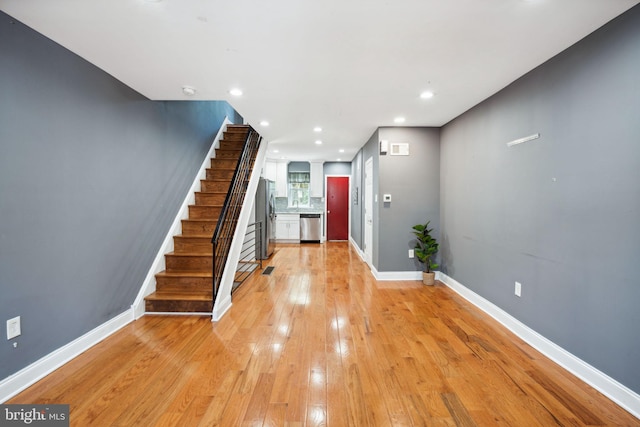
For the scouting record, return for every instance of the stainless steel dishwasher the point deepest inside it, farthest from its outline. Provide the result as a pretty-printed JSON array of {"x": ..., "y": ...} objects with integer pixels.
[{"x": 310, "y": 228}]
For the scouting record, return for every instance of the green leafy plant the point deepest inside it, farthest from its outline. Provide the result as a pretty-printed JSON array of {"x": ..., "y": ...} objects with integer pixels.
[{"x": 426, "y": 246}]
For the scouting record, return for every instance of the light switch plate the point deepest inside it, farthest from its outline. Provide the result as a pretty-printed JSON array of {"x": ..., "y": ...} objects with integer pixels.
[{"x": 13, "y": 327}]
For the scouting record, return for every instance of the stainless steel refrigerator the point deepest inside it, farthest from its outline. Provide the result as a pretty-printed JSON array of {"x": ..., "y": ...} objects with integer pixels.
[{"x": 265, "y": 208}]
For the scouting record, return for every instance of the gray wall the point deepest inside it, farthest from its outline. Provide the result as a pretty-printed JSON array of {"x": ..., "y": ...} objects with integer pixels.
[
  {"x": 560, "y": 214},
  {"x": 357, "y": 207},
  {"x": 414, "y": 184},
  {"x": 91, "y": 176},
  {"x": 336, "y": 168}
]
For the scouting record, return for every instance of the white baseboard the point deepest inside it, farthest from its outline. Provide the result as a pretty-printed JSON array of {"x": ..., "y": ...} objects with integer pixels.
[
  {"x": 149, "y": 284},
  {"x": 386, "y": 275},
  {"x": 27, "y": 376},
  {"x": 396, "y": 275},
  {"x": 623, "y": 396}
]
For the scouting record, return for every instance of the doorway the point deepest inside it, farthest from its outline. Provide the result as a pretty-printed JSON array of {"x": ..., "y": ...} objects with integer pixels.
[{"x": 337, "y": 207}]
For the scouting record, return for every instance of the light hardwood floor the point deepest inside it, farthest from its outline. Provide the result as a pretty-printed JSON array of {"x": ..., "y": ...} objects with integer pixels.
[{"x": 320, "y": 342}]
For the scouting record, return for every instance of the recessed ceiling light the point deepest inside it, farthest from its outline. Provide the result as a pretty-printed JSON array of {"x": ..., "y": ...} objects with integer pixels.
[
  {"x": 318, "y": 142},
  {"x": 264, "y": 123},
  {"x": 317, "y": 129},
  {"x": 399, "y": 120},
  {"x": 236, "y": 92},
  {"x": 188, "y": 90},
  {"x": 427, "y": 94},
  {"x": 276, "y": 151},
  {"x": 341, "y": 150},
  {"x": 338, "y": 159}
]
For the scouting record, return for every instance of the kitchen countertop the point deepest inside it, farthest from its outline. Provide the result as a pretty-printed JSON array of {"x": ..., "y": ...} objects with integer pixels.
[{"x": 299, "y": 211}]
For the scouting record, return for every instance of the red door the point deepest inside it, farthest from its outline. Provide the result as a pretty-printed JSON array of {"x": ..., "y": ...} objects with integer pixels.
[{"x": 337, "y": 208}]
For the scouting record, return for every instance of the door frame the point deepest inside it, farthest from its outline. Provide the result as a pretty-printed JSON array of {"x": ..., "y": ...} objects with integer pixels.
[
  {"x": 326, "y": 230},
  {"x": 368, "y": 206}
]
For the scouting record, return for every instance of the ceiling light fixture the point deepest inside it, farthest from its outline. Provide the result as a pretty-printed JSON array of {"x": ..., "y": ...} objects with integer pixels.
[
  {"x": 341, "y": 150},
  {"x": 188, "y": 90},
  {"x": 318, "y": 142},
  {"x": 235, "y": 92},
  {"x": 264, "y": 123},
  {"x": 399, "y": 120},
  {"x": 317, "y": 129},
  {"x": 427, "y": 94}
]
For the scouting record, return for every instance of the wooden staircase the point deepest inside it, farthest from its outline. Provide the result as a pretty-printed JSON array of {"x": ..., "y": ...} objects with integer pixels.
[{"x": 186, "y": 284}]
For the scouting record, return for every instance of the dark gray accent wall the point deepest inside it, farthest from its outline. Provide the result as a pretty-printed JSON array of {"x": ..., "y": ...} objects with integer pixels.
[
  {"x": 336, "y": 168},
  {"x": 559, "y": 214},
  {"x": 91, "y": 176},
  {"x": 413, "y": 182}
]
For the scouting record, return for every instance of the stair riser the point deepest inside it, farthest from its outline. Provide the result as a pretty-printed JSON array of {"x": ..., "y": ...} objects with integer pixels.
[
  {"x": 225, "y": 174},
  {"x": 190, "y": 228},
  {"x": 189, "y": 285},
  {"x": 234, "y": 136},
  {"x": 176, "y": 263},
  {"x": 235, "y": 146},
  {"x": 210, "y": 198},
  {"x": 178, "y": 306},
  {"x": 222, "y": 163},
  {"x": 228, "y": 154},
  {"x": 204, "y": 212},
  {"x": 184, "y": 244},
  {"x": 215, "y": 186}
]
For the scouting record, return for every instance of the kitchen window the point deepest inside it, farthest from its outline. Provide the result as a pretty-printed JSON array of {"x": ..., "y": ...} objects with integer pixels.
[{"x": 299, "y": 189}]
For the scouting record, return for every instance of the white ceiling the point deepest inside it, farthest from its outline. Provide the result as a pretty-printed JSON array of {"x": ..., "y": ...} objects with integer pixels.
[{"x": 348, "y": 66}]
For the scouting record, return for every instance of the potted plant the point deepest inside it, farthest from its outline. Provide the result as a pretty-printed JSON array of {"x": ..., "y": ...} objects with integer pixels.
[{"x": 426, "y": 247}]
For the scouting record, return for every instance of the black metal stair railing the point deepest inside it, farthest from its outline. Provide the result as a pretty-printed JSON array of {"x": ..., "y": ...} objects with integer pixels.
[
  {"x": 249, "y": 260},
  {"x": 227, "y": 223}
]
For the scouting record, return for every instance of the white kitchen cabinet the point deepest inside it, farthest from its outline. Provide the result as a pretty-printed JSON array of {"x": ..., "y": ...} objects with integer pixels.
[
  {"x": 316, "y": 184},
  {"x": 269, "y": 171},
  {"x": 288, "y": 228},
  {"x": 282, "y": 178}
]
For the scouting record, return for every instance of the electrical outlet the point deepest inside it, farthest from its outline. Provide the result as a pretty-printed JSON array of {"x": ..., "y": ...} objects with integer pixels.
[
  {"x": 518, "y": 290},
  {"x": 13, "y": 327},
  {"x": 410, "y": 253}
]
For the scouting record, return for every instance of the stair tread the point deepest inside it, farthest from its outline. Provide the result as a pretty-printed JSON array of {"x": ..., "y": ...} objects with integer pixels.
[
  {"x": 189, "y": 254},
  {"x": 167, "y": 296},
  {"x": 176, "y": 273}
]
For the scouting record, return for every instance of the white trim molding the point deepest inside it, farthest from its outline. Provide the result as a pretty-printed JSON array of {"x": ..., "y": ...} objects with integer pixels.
[
  {"x": 396, "y": 275},
  {"x": 27, "y": 376},
  {"x": 149, "y": 284},
  {"x": 618, "y": 393}
]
